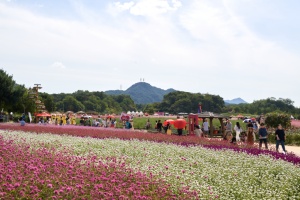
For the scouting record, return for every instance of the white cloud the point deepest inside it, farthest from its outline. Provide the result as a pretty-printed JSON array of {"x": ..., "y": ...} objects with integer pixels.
[
  {"x": 124, "y": 6},
  {"x": 149, "y": 7},
  {"x": 202, "y": 47},
  {"x": 58, "y": 65}
]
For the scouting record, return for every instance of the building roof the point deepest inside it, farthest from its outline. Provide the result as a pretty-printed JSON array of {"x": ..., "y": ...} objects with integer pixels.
[{"x": 211, "y": 115}]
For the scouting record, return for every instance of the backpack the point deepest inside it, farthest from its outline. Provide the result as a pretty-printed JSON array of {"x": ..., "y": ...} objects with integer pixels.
[{"x": 129, "y": 125}]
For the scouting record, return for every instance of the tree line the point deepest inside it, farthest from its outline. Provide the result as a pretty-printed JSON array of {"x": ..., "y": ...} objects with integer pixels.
[
  {"x": 265, "y": 106},
  {"x": 15, "y": 98}
]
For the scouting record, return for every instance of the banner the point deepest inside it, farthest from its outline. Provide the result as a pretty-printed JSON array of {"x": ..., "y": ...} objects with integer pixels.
[{"x": 30, "y": 118}]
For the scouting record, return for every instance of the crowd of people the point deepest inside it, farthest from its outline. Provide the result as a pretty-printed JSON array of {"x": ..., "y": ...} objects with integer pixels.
[
  {"x": 253, "y": 129},
  {"x": 106, "y": 122},
  {"x": 248, "y": 136}
]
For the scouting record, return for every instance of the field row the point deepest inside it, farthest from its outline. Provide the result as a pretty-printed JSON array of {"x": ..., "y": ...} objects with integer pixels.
[{"x": 182, "y": 171}]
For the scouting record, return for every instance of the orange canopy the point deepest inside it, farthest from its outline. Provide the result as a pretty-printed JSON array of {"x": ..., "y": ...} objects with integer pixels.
[{"x": 43, "y": 114}]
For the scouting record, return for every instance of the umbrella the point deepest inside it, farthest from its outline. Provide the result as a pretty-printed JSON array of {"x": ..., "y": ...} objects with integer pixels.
[
  {"x": 43, "y": 114},
  {"x": 179, "y": 123},
  {"x": 125, "y": 117},
  {"x": 80, "y": 112},
  {"x": 171, "y": 121},
  {"x": 110, "y": 116}
]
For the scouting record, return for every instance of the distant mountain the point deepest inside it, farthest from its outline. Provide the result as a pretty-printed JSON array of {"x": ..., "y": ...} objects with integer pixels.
[
  {"x": 142, "y": 93},
  {"x": 235, "y": 101}
]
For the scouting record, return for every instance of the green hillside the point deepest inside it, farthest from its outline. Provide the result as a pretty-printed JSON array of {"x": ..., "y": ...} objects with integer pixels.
[{"x": 142, "y": 93}]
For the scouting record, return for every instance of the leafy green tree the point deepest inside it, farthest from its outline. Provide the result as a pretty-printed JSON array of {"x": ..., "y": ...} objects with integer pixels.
[
  {"x": 69, "y": 103},
  {"x": 182, "y": 105},
  {"x": 90, "y": 106},
  {"x": 48, "y": 101},
  {"x": 6, "y": 89},
  {"x": 274, "y": 119},
  {"x": 125, "y": 102},
  {"x": 179, "y": 101},
  {"x": 81, "y": 95},
  {"x": 265, "y": 106},
  {"x": 152, "y": 108},
  {"x": 21, "y": 102}
]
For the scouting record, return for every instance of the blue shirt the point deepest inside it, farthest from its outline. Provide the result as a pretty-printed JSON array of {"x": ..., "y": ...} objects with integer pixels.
[
  {"x": 263, "y": 133},
  {"x": 22, "y": 123}
]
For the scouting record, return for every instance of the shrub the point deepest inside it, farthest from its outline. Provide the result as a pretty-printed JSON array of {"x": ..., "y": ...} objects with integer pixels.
[{"x": 273, "y": 119}]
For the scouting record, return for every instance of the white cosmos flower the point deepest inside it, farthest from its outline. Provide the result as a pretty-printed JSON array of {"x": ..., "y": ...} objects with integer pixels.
[{"x": 225, "y": 173}]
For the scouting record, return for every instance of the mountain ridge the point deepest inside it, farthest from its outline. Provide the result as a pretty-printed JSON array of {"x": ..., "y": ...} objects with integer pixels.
[
  {"x": 235, "y": 101},
  {"x": 142, "y": 93}
]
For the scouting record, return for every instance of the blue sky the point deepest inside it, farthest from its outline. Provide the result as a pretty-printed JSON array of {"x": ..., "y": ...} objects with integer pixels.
[{"x": 232, "y": 48}]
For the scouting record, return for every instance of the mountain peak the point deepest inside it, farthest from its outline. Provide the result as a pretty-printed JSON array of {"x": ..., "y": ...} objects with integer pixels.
[
  {"x": 142, "y": 93},
  {"x": 235, "y": 101}
]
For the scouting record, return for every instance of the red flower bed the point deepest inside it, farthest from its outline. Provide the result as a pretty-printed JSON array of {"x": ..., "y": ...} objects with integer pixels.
[
  {"x": 101, "y": 133},
  {"x": 27, "y": 173}
]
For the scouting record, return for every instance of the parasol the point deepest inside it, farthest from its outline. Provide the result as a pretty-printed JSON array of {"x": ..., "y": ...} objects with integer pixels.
[
  {"x": 179, "y": 123},
  {"x": 43, "y": 114},
  {"x": 125, "y": 117},
  {"x": 110, "y": 116},
  {"x": 171, "y": 121}
]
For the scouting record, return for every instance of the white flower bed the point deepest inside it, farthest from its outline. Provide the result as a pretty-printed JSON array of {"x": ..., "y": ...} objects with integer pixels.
[{"x": 214, "y": 174}]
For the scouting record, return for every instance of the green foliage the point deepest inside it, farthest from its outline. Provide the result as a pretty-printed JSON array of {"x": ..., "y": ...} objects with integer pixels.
[
  {"x": 48, "y": 101},
  {"x": 98, "y": 102},
  {"x": 14, "y": 97},
  {"x": 176, "y": 102},
  {"x": 6, "y": 88},
  {"x": 264, "y": 106},
  {"x": 273, "y": 119},
  {"x": 72, "y": 104}
]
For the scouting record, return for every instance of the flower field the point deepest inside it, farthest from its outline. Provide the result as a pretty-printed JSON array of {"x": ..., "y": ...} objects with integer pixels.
[{"x": 52, "y": 162}]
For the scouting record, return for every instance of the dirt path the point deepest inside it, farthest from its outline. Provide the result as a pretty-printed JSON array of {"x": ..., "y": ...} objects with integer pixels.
[{"x": 294, "y": 149}]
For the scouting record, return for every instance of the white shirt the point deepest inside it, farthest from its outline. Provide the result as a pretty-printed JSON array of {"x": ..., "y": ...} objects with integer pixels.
[{"x": 205, "y": 126}]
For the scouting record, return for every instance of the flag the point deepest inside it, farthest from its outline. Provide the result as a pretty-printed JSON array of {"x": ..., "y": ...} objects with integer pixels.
[{"x": 30, "y": 118}]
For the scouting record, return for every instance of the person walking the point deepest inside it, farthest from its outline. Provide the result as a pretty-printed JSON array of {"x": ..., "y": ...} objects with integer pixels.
[
  {"x": 250, "y": 136},
  {"x": 131, "y": 123},
  {"x": 159, "y": 126},
  {"x": 263, "y": 136},
  {"x": 128, "y": 125},
  {"x": 249, "y": 125},
  {"x": 205, "y": 128},
  {"x": 166, "y": 126},
  {"x": 198, "y": 131},
  {"x": 228, "y": 131},
  {"x": 280, "y": 138},
  {"x": 238, "y": 129}
]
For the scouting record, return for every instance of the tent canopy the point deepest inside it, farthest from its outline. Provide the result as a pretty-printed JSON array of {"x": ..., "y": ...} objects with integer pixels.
[{"x": 43, "y": 114}]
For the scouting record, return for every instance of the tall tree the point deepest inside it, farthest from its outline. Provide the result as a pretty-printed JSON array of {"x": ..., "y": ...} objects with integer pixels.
[
  {"x": 48, "y": 101},
  {"x": 6, "y": 89}
]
